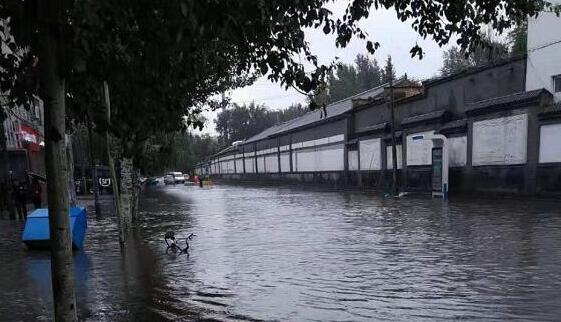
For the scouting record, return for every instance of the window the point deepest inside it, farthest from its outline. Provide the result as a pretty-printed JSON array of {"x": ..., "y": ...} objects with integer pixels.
[{"x": 557, "y": 84}]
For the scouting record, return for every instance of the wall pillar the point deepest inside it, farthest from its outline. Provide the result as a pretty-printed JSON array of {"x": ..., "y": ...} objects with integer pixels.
[
  {"x": 290, "y": 157},
  {"x": 467, "y": 185},
  {"x": 279, "y": 155},
  {"x": 532, "y": 152}
]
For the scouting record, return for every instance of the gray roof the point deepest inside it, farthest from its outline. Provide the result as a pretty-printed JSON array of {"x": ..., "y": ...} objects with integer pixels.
[
  {"x": 553, "y": 109},
  {"x": 376, "y": 127},
  {"x": 508, "y": 100},
  {"x": 333, "y": 110},
  {"x": 424, "y": 117}
]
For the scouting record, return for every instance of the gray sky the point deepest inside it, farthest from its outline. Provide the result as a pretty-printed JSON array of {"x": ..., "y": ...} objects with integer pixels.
[{"x": 396, "y": 38}]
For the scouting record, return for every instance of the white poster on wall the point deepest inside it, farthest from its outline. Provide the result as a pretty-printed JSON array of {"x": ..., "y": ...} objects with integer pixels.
[
  {"x": 457, "y": 151},
  {"x": 550, "y": 143},
  {"x": 389, "y": 160},
  {"x": 370, "y": 154},
  {"x": 419, "y": 152},
  {"x": 500, "y": 141}
]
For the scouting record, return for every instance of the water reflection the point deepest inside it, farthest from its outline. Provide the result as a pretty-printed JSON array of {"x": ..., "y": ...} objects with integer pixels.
[{"x": 282, "y": 254}]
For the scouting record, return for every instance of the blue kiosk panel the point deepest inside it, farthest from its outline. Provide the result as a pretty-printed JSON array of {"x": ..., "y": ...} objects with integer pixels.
[{"x": 36, "y": 232}]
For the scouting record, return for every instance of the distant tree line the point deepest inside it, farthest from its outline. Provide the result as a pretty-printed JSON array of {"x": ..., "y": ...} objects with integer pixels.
[
  {"x": 351, "y": 79},
  {"x": 240, "y": 122}
]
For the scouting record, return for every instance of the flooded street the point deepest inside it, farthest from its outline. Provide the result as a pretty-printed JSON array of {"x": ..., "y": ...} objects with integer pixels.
[{"x": 264, "y": 253}]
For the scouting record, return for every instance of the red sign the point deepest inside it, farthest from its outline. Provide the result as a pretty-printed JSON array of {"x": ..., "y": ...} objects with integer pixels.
[{"x": 30, "y": 137}]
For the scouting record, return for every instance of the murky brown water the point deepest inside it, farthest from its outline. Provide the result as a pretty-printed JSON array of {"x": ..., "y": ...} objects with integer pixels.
[{"x": 281, "y": 254}]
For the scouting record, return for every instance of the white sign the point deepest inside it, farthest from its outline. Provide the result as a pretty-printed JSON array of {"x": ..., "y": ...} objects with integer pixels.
[{"x": 419, "y": 152}]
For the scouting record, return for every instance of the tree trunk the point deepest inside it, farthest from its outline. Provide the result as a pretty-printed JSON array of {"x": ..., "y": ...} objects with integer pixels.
[
  {"x": 95, "y": 184},
  {"x": 115, "y": 186},
  {"x": 112, "y": 154},
  {"x": 71, "y": 186},
  {"x": 52, "y": 94},
  {"x": 127, "y": 192}
]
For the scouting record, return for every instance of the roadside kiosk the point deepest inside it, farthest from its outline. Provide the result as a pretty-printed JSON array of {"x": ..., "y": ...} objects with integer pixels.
[
  {"x": 36, "y": 231},
  {"x": 439, "y": 163}
]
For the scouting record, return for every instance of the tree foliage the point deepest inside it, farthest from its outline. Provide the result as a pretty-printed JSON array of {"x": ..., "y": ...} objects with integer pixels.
[
  {"x": 488, "y": 50},
  {"x": 350, "y": 79},
  {"x": 518, "y": 38}
]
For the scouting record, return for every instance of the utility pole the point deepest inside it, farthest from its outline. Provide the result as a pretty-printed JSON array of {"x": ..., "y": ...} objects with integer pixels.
[{"x": 394, "y": 148}]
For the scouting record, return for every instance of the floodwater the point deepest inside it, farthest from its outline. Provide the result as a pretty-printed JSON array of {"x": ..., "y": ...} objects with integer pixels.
[{"x": 264, "y": 253}]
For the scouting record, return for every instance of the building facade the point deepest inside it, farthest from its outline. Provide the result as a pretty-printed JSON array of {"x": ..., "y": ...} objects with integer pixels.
[
  {"x": 544, "y": 45},
  {"x": 501, "y": 138},
  {"x": 23, "y": 130}
]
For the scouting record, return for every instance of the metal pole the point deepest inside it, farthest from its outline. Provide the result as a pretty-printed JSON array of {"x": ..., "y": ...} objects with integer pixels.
[{"x": 394, "y": 148}]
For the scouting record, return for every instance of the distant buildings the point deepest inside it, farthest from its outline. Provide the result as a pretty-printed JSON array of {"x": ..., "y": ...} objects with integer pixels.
[
  {"x": 502, "y": 121},
  {"x": 23, "y": 129}
]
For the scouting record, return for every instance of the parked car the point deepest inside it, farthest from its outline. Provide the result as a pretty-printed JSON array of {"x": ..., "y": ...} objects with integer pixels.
[
  {"x": 178, "y": 177},
  {"x": 151, "y": 181},
  {"x": 169, "y": 179}
]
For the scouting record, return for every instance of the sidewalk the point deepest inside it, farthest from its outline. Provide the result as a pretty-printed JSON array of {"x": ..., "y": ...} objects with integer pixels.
[{"x": 105, "y": 202}]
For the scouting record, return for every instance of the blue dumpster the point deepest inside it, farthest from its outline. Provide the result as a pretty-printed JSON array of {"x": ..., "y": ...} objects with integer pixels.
[{"x": 36, "y": 232}]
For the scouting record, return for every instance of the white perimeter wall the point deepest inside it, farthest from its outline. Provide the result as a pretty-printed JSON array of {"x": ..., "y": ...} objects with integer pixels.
[
  {"x": 500, "y": 141},
  {"x": 550, "y": 143},
  {"x": 370, "y": 154}
]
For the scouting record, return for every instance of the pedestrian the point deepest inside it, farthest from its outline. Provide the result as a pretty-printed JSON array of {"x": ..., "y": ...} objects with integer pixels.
[
  {"x": 20, "y": 199},
  {"x": 36, "y": 193}
]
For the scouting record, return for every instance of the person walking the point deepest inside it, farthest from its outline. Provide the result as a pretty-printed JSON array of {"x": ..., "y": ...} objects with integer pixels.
[
  {"x": 20, "y": 199},
  {"x": 36, "y": 193}
]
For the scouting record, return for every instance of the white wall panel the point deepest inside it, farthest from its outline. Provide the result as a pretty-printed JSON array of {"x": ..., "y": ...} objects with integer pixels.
[
  {"x": 550, "y": 143},
  {"x": 285, "y": 162},
  {"x": 261, "y": 164},
  {"x": 457, "y": 151},
  {"x": 305, "y": 160},
  {"x": 500, "y": 141},
  {"x": 370, "y": 154},
  {"x": 353, "y": 160},
  {"x": 389, "y": 159},
  {"x": 271, "y": 163},
  {"x": 239, "y": 165},
  {"x": 249, "y": 165},
  {"x": 419, "y": 152},
  {"x": 330, "y": 159}
]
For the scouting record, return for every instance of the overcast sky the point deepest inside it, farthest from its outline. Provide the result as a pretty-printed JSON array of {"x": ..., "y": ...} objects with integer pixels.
[{"x": 396, "y": 38}]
